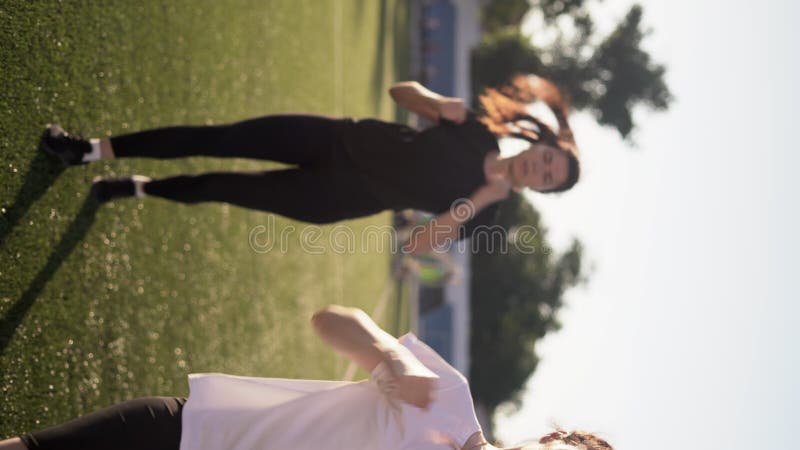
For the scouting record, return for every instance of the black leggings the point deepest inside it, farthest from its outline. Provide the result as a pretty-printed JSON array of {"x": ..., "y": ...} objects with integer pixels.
[
  {"x": 149, "y": 423},
  {"x": 324, "y": 188}
]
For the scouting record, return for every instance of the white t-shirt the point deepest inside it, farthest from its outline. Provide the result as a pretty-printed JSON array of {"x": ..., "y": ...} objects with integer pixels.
[{"x": 226, "y": 412}]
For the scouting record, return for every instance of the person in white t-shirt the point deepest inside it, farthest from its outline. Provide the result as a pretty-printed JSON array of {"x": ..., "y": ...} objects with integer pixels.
[{"x": 414, "y": 400}]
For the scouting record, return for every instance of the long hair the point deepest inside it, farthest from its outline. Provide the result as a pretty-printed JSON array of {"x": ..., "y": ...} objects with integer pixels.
[
  {"x": 504, "y": 114},
  {"x": 578, "y": 439}
]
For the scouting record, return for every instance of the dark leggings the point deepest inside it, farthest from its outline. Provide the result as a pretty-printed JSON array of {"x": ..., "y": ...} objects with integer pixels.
[
  {"x": 324, "y": 188},
  {"x": 149, "y": 423}
]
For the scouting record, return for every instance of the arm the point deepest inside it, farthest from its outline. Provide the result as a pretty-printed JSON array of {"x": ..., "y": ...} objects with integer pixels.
[
  {"x": 445, "y": 227},
  {"x": 417, "y": 99},
  {"x": 352, "y": 333}
]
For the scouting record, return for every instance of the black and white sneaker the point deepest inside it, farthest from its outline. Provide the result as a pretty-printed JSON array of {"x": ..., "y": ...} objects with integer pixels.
[
  {"x": 69, "y": 149},
  {"x": 104, "y": 190}
]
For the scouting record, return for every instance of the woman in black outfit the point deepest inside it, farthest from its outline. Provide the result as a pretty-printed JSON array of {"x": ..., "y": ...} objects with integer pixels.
[{"x": 347, "y": 169}]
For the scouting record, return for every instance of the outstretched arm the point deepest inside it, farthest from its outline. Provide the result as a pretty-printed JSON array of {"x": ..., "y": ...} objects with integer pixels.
[
  {"x": 426, "y": 103},
  {"x": 352, "y": 333},
  {"x": 444, "y": 228}
]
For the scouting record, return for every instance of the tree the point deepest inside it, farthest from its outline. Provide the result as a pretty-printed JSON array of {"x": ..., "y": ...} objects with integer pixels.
[
  {"x": 609, "y": 79},
  {"x": 499, "y": 14},
  {"x": 501, "y": 55},
  {"x": 515, "y": 296},
  {"x": 553, "y": 9},
  {"x": 628, "y": 75}
]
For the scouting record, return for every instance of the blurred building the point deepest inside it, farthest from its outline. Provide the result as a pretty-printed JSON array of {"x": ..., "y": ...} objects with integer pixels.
[{"x": 443, "y": 34}]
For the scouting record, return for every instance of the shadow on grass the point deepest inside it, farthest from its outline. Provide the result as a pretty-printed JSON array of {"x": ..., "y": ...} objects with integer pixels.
[
  {"x": 360, "y": 8},
  {"x": 42, "y": 173},
  {"x": 74, "y": 235},
  {"x": 380, "y": 52},
  {"x": 402, "y": 52}
]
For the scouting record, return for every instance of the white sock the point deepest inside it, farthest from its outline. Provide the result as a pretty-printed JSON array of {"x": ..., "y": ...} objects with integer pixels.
[
  {"x": 93, "y": 155},
  {"x": 138, "y": 185}
]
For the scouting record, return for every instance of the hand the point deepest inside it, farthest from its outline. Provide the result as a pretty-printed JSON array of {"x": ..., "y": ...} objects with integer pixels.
[
  {"x": 415, "y": 390},
  {"x": 403, "y": 376},
  {"x": 452, "y": 109}
]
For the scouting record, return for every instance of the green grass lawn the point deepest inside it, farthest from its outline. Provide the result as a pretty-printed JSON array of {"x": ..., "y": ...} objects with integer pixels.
[{"x": 100, "y": 305}]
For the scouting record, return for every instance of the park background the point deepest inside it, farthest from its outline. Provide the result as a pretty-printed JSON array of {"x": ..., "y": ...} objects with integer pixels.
[{"x": 679, "y": 331}]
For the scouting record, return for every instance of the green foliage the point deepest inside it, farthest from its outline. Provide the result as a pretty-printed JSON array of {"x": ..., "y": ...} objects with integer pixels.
[
  {"x": 553, "y": 9},
  {"x": 499, "y": 56},
  {"x": 499, "y": 14},
  {"x": 627, "y": 74},
  {"x": 516, "y": 295},
  {"x": 609, "y": 79}
]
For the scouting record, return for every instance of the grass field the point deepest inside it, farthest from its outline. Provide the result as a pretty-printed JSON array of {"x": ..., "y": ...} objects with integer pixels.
[{"x": 99, "y": 305}]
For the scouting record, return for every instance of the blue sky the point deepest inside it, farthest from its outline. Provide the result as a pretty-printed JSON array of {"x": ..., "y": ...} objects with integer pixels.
[{"x": 685, "y": 336}]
